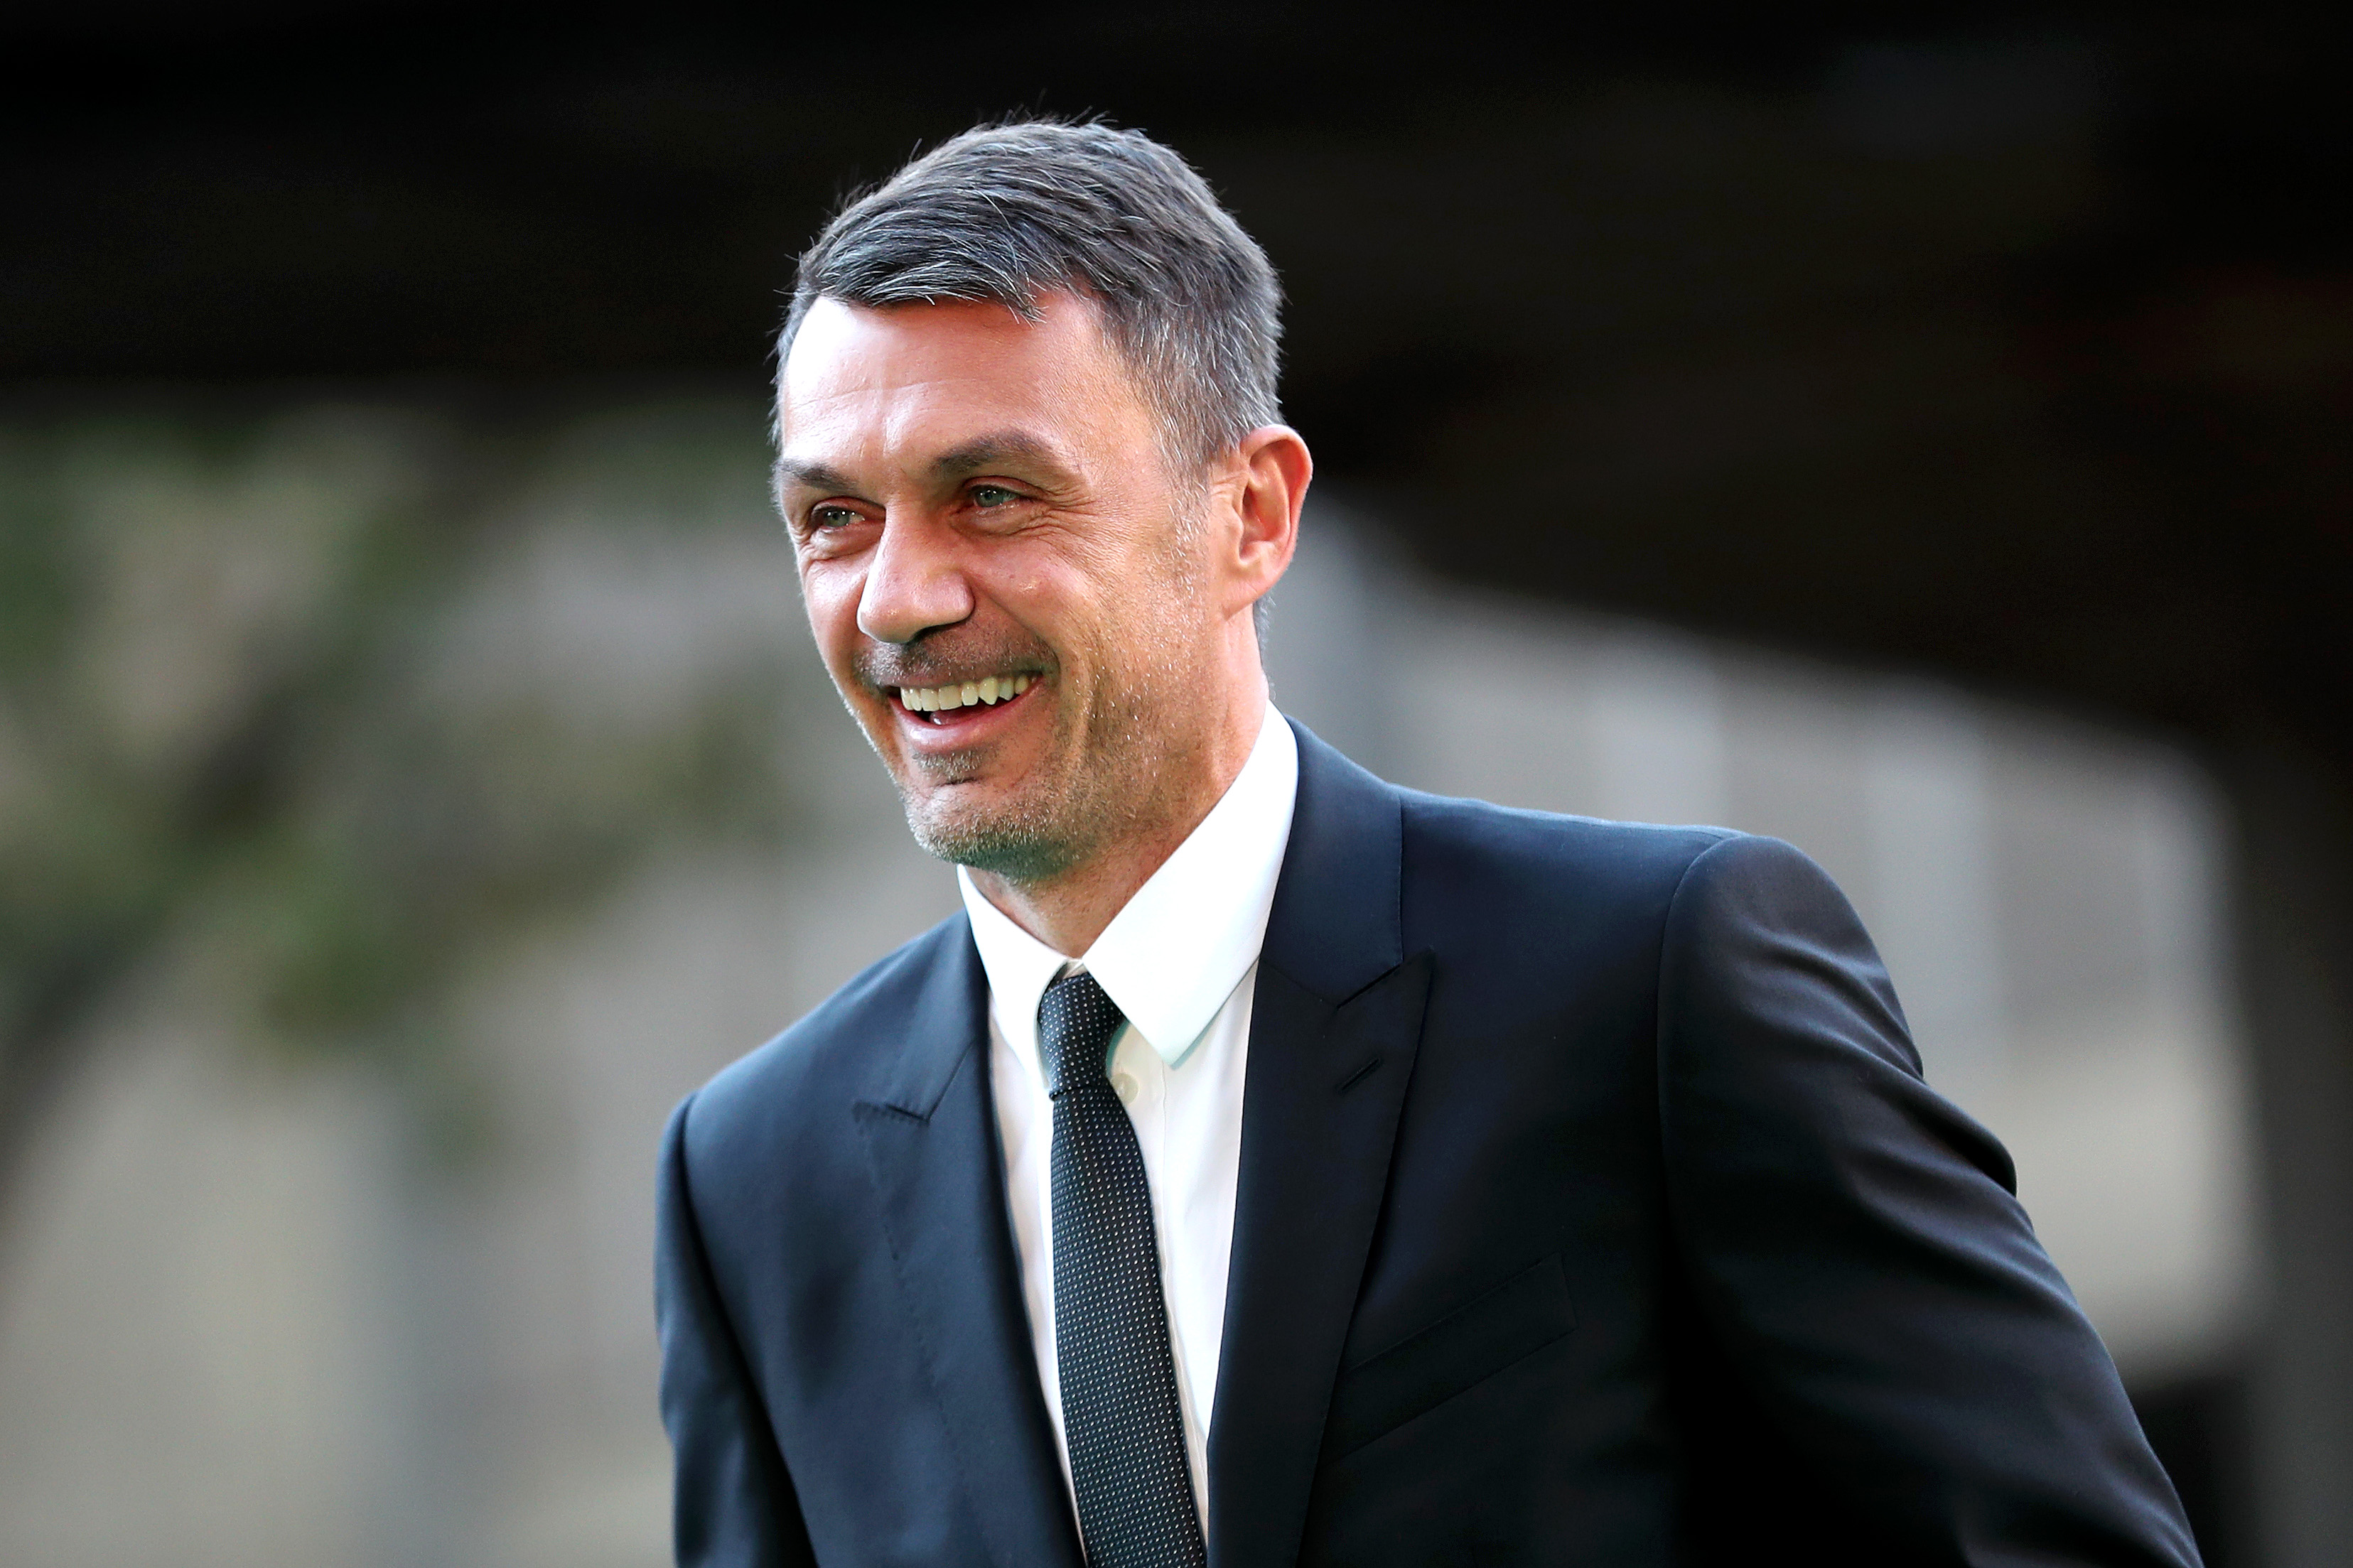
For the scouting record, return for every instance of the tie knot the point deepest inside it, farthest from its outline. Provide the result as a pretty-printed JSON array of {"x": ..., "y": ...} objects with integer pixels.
[{"x": 1076, "y": 1019}]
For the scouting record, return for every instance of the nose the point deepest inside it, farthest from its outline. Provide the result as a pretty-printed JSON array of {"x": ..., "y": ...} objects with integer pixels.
[{"x": 914, "y": 584}]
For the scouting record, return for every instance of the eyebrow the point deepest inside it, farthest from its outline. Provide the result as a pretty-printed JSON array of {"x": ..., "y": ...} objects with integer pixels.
[
  {"x": 1017, "y": 447},
  {"x": 810, "y": 475}
]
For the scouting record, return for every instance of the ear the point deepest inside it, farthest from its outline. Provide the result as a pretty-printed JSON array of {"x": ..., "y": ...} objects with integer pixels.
[{"x": 1270, "y": 484}]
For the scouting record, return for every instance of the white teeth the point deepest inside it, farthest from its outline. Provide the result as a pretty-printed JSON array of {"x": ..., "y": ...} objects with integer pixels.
[{"x": 989, "y": 689}]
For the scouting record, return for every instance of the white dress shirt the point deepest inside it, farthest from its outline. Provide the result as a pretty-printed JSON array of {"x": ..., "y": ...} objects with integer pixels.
[{"x": 1179, "y": 959}]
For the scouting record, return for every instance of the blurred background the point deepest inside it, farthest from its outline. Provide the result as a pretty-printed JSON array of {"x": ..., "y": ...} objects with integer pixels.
[{"x": 1918, "y": 432}]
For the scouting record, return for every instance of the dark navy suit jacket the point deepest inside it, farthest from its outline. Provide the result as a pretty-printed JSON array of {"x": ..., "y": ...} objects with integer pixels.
[{"x": 1593, "y": 1210}]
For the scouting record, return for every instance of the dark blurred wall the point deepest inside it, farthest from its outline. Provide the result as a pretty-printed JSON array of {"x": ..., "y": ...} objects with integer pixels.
[{"x": 2010, "y": 343}]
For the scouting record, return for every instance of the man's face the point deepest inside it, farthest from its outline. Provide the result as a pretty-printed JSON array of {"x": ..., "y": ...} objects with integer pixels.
[{"x": 1001, "y": 576}]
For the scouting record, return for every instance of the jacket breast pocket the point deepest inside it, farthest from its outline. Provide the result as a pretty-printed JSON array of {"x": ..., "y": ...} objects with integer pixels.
[{"x": 1509, "y": 1323}]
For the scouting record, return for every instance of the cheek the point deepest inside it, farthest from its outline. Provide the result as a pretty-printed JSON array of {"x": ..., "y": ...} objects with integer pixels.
[
  {"x": 1042, "y": 593},
  {"x": 830, "y": 597}
]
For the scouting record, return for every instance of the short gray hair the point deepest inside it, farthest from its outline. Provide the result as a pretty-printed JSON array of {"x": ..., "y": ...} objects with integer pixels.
[{"x": 1014, "y": 210}]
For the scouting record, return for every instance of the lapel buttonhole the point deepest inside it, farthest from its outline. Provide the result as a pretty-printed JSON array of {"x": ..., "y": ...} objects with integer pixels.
[{"x": 1359, "y": 1076}]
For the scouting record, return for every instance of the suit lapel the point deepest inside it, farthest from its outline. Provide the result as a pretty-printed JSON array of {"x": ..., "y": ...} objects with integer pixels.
[
  {"x": 1334, "y": 1024},
  {"x": 930, "y": 1131}
]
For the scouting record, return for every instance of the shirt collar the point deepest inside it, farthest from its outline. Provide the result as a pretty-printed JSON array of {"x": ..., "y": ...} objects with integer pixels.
[{"x": 1180, "y": 946}]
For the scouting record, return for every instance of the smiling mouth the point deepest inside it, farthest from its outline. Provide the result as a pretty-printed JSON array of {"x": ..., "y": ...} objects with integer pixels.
[{"x": 987, "y": 693}]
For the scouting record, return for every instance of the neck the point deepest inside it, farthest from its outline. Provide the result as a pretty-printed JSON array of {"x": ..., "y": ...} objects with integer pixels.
[{"x": 1068, "y": 910}]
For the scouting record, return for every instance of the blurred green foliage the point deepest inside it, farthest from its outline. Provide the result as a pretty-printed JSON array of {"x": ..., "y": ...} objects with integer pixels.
[{"x": 316, "y": 709}]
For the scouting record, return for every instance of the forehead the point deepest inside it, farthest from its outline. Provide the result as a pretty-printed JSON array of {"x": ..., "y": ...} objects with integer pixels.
[{"x": 900, "y": 373}]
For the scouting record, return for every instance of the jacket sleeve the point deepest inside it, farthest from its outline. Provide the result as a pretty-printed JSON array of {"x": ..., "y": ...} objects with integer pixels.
[
  {"x": 734, "y": 1505},
  {"x": 1855, "y": 1249}
]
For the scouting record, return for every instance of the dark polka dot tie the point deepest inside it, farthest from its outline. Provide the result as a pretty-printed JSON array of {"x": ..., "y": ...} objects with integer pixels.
[{"x": 1120, "y": 1413}]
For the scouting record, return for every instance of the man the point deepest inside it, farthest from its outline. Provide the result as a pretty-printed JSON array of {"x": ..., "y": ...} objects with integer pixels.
[{"x": 1271, "y": 1165}]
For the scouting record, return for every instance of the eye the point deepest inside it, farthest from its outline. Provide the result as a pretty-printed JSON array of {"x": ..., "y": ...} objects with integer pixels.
[
  {"x": 827, "y": 515},
  {"x": 992, "y": 496}
]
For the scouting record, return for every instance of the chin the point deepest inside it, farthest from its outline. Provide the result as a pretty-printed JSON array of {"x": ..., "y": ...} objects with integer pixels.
[
  {"x": 1015, "y": 856},
  {"x": 995, "y": 835}
]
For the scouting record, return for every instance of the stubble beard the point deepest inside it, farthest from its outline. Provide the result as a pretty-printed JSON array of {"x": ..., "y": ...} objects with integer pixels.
[
  {"x": 1108, "y": 771},
  {"x": 1101, "y": 777},
  {"x": 1115, "y": 762}
]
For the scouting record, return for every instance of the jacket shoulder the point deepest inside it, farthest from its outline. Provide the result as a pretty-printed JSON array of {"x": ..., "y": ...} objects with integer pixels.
[
  {"x": 827, "y": 1055},
  {"x": 1583, "y": 856}
]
